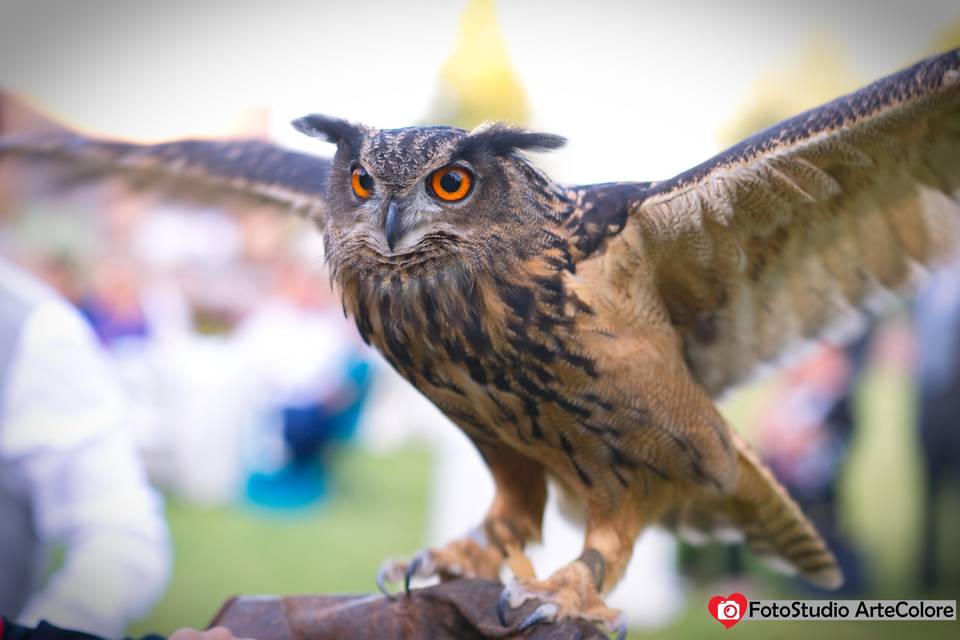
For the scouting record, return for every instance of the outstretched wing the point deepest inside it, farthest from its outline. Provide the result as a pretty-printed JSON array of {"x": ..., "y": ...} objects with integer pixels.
[
  {"x": 248, "y": 168},
  {"x": 794, "y": 232}
]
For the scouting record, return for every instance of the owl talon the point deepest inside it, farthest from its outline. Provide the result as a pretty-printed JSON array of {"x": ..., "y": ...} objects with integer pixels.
[
  {"x": 512, "y": 596},
  {"x": 619, "y": 627},
  {"x": 421, "y": 560},
  {"x": 395, "y": 570},
  {"x": 544, "y": 613},
  {"x": 502, "y": 603},
  {"x": 462, "y": 558},
  {"x": 381, "y": 582},
  {"x": 569, "y": 594},
  {"x": 412, "y": 569}
]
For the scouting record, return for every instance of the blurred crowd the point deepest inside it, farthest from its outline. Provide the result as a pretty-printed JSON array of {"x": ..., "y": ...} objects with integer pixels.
[
  {"x": 218, "y": 324},
  {"x": 201, "y": 348}
]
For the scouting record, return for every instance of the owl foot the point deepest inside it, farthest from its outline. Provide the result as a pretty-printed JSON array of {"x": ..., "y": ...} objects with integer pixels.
[
  {"x": 467, "y": 557},
  {"x": 568, "y": 593}
]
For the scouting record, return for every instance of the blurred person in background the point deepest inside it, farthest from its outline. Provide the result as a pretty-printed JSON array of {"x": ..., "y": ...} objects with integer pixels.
[
  {"x": 312, "y": 375},
  {"x": 70, "y": 479},
  {"x": 112, "y": 304},
  {"x": 805, "y": 435},
  {"x": 937, "y": 323}
]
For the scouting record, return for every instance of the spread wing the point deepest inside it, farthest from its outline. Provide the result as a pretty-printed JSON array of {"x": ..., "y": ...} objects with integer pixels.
[
  {"x": 247, "y": 168},
  {"x": 793, "y": 233}
]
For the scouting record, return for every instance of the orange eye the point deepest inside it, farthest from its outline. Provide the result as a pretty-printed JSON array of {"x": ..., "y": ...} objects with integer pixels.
[
  {"x": 451, "y": 183},
  {"x": 362, "y": 183}
]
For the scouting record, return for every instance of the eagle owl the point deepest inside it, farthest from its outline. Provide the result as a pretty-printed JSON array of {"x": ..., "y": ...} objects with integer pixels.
[{"x": 581, "y": 333}]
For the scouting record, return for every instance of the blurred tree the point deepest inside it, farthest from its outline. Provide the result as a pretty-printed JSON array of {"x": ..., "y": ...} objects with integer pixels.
[
  {"x": 477, "y": 82},
  {"x": 818, "y": 73},
  {"x": 948, "y": 38}
]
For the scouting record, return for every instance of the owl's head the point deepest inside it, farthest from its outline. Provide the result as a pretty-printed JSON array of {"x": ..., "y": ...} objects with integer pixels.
[{"x": 406, "y": 197}]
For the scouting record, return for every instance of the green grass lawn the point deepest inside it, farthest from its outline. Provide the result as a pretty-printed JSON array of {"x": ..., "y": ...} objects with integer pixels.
[{"x": 378, "y": 509}]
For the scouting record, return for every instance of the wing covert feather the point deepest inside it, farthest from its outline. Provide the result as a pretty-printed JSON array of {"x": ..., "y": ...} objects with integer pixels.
[{"x": 799, "y": 230}]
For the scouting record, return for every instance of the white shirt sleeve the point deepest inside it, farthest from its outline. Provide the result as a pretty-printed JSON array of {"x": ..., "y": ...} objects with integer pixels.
[{"x": 65, "y": 440}]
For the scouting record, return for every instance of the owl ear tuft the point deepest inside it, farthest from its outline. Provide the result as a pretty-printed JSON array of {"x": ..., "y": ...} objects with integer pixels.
[
  {"x": 335, "y": 130},
  {"x": 500, "y": 139}
]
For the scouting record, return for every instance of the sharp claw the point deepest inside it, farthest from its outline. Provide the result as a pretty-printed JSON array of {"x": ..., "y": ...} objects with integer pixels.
[
  {"x": 411, "y": 570},
  {"x": 544, "y": 612},
  {"x": 502, "y": 603},
  {"x": 619, "y": 627},
  {"x": 381, "y": 580}
]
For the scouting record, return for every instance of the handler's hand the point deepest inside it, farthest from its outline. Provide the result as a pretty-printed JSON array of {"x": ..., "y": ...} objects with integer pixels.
[{"x": 217, "y": 633}]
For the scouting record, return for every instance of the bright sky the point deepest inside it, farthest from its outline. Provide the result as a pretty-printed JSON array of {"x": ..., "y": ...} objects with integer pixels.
[{"x": 640, "y": 88}]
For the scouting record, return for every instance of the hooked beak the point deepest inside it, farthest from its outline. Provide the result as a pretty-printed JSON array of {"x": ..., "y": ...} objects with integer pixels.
[{"x": 392, "y": 225}]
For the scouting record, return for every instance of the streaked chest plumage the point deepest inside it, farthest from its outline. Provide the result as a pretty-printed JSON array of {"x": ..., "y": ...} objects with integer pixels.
[{"x": 499, "y": 352}]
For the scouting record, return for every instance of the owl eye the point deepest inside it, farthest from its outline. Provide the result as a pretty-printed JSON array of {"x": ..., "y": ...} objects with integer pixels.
[
  {"x": 362, "y": 183},
  {"x": 451, "y": 183}
]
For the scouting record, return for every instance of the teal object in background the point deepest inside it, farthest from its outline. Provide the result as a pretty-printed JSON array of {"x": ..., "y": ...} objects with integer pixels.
[{"x": 311, "y": 434}]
